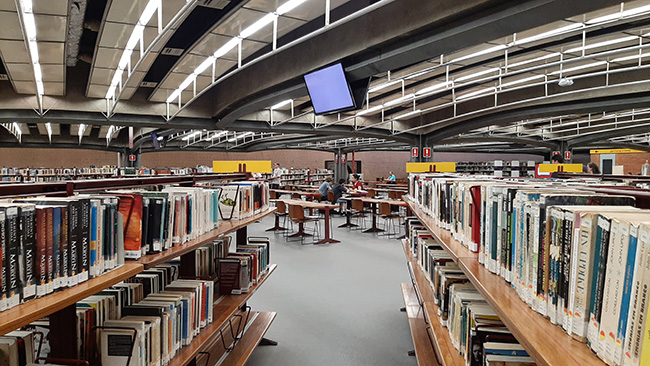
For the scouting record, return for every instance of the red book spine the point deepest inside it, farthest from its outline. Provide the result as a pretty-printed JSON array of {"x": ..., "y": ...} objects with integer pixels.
[{"x": 476, "y": 216}]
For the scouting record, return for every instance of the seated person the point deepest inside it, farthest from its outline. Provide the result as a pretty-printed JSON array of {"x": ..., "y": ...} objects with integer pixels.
[
  {"x": 356, "y": 183},
  {"x": 324, "y": 188},
  {"x": 391, "y": 178},
  {"x": 338, "y": 190}
]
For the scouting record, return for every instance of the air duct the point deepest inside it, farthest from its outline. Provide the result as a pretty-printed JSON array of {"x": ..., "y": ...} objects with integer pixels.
[{"x": 75, "y": 30}]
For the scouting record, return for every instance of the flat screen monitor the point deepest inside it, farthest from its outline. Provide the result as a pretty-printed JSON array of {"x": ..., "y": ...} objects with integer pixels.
[{"x": 329, "y": 90}]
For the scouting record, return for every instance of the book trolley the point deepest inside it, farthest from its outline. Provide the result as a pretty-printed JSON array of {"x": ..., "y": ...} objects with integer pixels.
[{"x": 229, "y": 340}]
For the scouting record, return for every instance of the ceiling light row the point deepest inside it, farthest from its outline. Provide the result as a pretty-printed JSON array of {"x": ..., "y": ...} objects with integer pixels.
[
  {"x": 234, "y": 42},
  {"x": 26, "y": 9}
]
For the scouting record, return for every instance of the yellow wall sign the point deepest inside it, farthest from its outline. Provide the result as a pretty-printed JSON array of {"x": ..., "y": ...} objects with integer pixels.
[
  {"x": 236, "y": 166},
  {"x": 430, "y": 167},
  {"x": 615, "y": 151},
  {"x": 566, "y": 168}
]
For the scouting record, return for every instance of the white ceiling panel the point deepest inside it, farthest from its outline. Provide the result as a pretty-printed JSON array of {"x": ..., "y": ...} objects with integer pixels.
[
  {"x": 148, "y": 61},
  {"x": 210, "y": 43},
  {"x": 97, "y": 91},
  {"x": 10, "y": 28},
  {"x": 128, "y": 93},
  {"x": 115, "y": 35},
  {"x": 161, "y": 95},
  {"x": 285, "y": 25},
  {"x": 54, "y": 73},
  {"x": 107, "y": 57},
  {"x": 306, "y": 11},
  {"x": 25, "y": 87},
  {"x": 101, "y": 76},
  {"x": 20, "y": 72},
  {"x": 250, "y": 47},
  {"x": 54, "y": 88},
  {"x": 14, "y": 51},
  {"x": 202, "y": 82},
  {"x": 126, "y": 11},
  {"x": 7, "y": 5},
  {"x": 56, "y": 129},
  {"x": 135, "y": 79},
  {"x": 173, "y": 80},
  {"x": 50, "y": 7},
  {"x": 51, "y": 53},
  {"x": 239, "y": 21},
  {"x": 50, "y": 28},
  {"x": 189, "y": 63}
]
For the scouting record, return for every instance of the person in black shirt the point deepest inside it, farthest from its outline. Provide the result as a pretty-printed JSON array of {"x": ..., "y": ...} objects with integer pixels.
[{"x": 338, "y": 190}]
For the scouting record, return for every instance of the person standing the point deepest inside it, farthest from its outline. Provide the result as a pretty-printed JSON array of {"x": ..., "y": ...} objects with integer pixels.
[
  {"x": 276, "y": 177},
  {"x": 325, "y": 188}
]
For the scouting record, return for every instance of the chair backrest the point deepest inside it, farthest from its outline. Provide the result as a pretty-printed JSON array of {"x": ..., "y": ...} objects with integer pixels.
[
  {"x": 371, "y": 192},
  {"x": 296, "y": 212},
  {"x": 282, "y": 207},
  {"x": 330, "y": 196},
  {"x": 357, "y": 204},
  {"x": 394, "y": 194},
  {"x": 384, "y": 208}
]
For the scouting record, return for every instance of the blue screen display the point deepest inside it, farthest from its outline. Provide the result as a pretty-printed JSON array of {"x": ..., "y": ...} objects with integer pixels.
[{"x": 328, "y": 89}]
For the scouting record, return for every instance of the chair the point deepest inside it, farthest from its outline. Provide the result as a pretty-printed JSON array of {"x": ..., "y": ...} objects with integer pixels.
[
  {"x": 282, "y": 214},
  {"x": 297, "y": 215},
  {"x": 386, "y": 213},
  {"x": 358, "y": 211},
  {"x": 371, "y": 192}
]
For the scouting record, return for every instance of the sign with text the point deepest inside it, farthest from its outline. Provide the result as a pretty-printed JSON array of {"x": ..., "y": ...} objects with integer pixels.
[
  {"x": 567, "y": 155},
  {"x": 414, "y": 152},
  {"x": 426, "y": 152}
]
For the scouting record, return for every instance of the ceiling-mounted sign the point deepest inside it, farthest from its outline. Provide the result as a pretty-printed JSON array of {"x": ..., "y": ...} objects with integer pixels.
[
  {"x": 567, "y": 155},
  {"x": 343, "y": 159},
  {"x": 131, "y": 157},
  {"x": 426, "y": 152},
  {"x": 414, "y": 152},
  {"x": 556, "y": 153}
]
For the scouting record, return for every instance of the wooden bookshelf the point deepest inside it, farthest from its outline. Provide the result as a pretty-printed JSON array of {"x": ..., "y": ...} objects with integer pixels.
[
  {"x": 546, "y": 343},
  {"x": 224, "y": 308},
  {"x": 35, "y": 309},
  {"x": 420, "y": 329},
  {"x": 225, "y": 227},
  {"x": 446, "y": 353}
]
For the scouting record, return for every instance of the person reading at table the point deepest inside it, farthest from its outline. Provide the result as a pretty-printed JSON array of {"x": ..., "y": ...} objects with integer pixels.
[
  {"x": 324, "y": 188},
  {"x": 391, "y": 178},
  {"x": 356, "y": 183},
  {"x": 338, "y": 189}
]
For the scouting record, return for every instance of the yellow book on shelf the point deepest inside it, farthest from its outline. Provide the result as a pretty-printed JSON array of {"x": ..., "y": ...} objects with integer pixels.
[{"x": 644, "y": 344}]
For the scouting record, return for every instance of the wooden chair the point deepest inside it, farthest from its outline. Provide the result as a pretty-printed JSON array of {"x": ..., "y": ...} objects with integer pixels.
[
  {"x": 359, "y": 212},
  {"x": 297, "y": 216},
  {"x": 371, "y": 192},
  {"x": 282, "y": 214},
  {"x": 388, "y": 215}
]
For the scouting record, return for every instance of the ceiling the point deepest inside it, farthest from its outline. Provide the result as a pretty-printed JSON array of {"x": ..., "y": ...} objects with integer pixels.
[{"x": 478, "y": 75}]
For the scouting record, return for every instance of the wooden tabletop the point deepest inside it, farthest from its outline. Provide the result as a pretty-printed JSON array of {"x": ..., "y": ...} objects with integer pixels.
[
  {"x": 376, "y": 200},
  {"x": 396, "y": 189},
  {"x": 302, "y": 193},
  {"x": 306, "y": 204}
]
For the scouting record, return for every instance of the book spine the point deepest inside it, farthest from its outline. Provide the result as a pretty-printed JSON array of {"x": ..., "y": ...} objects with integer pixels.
[
  {"x": 566, "y": 269},
  {"x": 41, "y": 252},
  {"x": 65, "y": 248},
  {"x": 56, "y": 247},
  {"x": 583, "y": 278},
  {"x": 94, "y": 256},
  {"x": 600, "y": 264},
  {"x": 631, "y": 357},
  {"x": 30, "y": 256},
  {"x": 554, "y": 259},
  {"x": 49, "y": 227},
  {"x": 73, "y": 241},
  {"x": 4, "y": 277},
  {"x": 84, "y": 240},
  {"x": 13, "y": 245}
]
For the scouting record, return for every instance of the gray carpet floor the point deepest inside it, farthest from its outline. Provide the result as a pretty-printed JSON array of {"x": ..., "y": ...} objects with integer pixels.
[{"x": 336, "y": 304}]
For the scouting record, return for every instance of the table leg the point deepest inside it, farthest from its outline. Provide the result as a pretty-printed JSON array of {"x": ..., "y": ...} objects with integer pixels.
[
  {"x": 327, "y": 239},
  {"x": 300, "y": 232},
  {"x": 277, "y": 226},
  {"x": 374, "y": 228},
  {"x": 348, "y": 216}
]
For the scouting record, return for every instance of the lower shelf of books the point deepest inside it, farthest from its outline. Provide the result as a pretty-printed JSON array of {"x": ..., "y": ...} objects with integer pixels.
[
  {"x": 438, "y": 335},
  {"x": 35, "y": 309},
  {"x": 225, "y": 308}
]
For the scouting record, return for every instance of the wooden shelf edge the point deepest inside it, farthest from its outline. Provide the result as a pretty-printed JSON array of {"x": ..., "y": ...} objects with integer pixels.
[
  {"x": 225, "y": 227},
  {"x": 35, "y": 309},
  {"x": 441, "y": 340},
  {"x": 425, "y": 352},
  {"x": 224, "y": 308},
  {"x": 546, "y": 343},
  {"x": 251, "y": 338}
]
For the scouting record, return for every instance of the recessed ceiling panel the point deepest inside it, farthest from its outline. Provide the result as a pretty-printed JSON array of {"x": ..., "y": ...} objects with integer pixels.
[
  {"x": 135, "y": 79},
  {"x": 54, "y": 88},
  {"x": 51, "y": 7},
  {"x": 25, "y": 87},
  {"x": 20, "y": 72},
  {"x": 53, "y": 73},
  {"x": 115, "y": 35},
  {"x": 240, "y": 21},
  {"x": 107, "y": 57},
  {"x": 10, "y": 28},
  {"x": 14, "y": 51},
  {"x": 50, "y": 28},
  {"x": 101, "y": 76},
  {"x": 173, "y": 80},
  {"x": 210, "y": 43},
  {"x": 51, "y": 52},
  {"x": 97, "y": 91},
  {"x": 126, "y": 11}
]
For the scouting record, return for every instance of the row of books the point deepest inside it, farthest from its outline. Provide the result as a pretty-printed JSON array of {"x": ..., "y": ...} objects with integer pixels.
[
  {"x": 474, "y": 328},
  {"x": 58, "y": 171},
  {"x": 574, "y": 256},
  {"x": 48, "y": 244}
]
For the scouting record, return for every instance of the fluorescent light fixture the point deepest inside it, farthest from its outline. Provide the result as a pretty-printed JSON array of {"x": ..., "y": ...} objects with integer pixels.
[
  {"x": 110, "y": 131},
  {"x": 370, "y": 110},
  {"x": 191, "y": 135},
  {"x": 82, "y": 129},
  {"x": 282, "y": 104},
  {"x": 602, "y": 44},
  {"x": 475, "y": 93},
  {"x": 235, "y": 138},
  {"x": 399, "y": 100},
  {"x": 160, "y": 138},
  {"x": 633, "y": 57},
  {"x": 27, "y": 14},
  {"x": 620, "y": 15},
  {"x": 48, "y": 127},
  {"x": 204, "y": 65},
  {"x": 30, "y": 25},
  {"x": 138, "y": 33},
  {"x": 253, "y": 28},
  {"x": 227, "y": 47},
  {"x": 409, "y": 114},
  {"x": 521, "y": 81},
  {"x": 479, "y": 53},
  {"x": 432, "y": 88},
  {"x": 173, "y": 96},
  {"x": 550, "y": 33},
  {"x": 536, "y": 59},
  {"x": 288, "y": 6},
  {"x": 187, "y": 82},
  {"x": 149, "y": 11},
  {"x": 384, "y": 85},
  {"x": 216, "y": 135},
  {"x": 477, "y": 74},
  {"x": 576, "y": 68},
  {"x": 17, "y": 128}
]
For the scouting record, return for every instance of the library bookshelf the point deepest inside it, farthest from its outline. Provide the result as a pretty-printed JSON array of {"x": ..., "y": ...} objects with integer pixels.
[{"x": 546, "y": 343}]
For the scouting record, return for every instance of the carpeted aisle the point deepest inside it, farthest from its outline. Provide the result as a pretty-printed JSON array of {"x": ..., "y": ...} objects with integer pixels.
[{"x": 337, "y": 304}]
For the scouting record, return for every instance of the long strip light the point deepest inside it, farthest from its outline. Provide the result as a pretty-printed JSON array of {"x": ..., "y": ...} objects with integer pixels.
[
  {"x": 27, "y": 14},
  {"x": 136, "y": 36},
  {"x": 81, "y": 131},
  {"x": 384, "y": 85},
  {"x": 550, "y": 33},
  {"x": 602, "y": 44},
  {"x": 48, "y": 128},
  {"x": 216, "y": 135},
  {"x": 234, "y": 42},
  {"x": 432, "y": 88},
  {"x": 593, "y": 64},
  {"x": 282, "y": 104},
  {"x": 620, "y": 15},
  {"x": 191, "y": 135},
  {"x": 409, "y": 114},
  {"x": 235, "y": 138},
  {"x": 475, "y": 93}
]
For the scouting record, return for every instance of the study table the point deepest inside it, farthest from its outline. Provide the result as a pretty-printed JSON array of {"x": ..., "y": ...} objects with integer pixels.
[
  {"x": 313, "y": 205},
  {"x": 374, "y": 203},
  {"x": 307, "y": 194}
]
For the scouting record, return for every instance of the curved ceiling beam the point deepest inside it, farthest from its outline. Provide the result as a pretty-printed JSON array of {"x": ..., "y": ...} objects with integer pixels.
[
  {"x": 620, "y": 97},
  {"x": 603, "y": 136},
  {"x": 404, "y": 38},
  {"x": 512, "y": 140}
]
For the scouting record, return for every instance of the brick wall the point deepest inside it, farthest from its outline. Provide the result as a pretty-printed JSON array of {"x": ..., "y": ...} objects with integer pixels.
[
  {"x": 631, "y": 162},
  {"x": 55, "y": 158}
]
